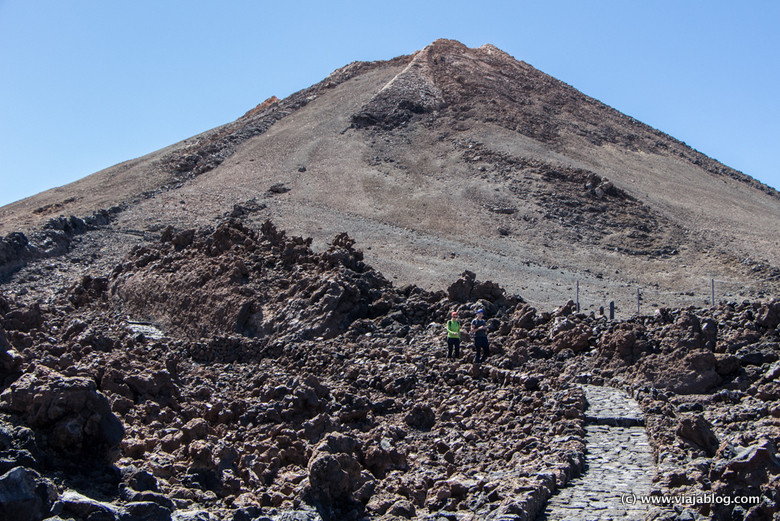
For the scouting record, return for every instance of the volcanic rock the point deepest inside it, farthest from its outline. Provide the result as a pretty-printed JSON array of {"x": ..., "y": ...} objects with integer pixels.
[
  {"x": 421, "y": 417},
  {"x": 412, "y": 91},
  {"x": 187, "y": 317},
  {"x": 25, "y": 495},
  {"x": 335, "y": 472},
  {"x": 76, "y": 418},
  {"x": 232, "y": 289},
  {"x": 769, "y": 315},
  {"x": 698, "y": 431},
  {"x": 402, "y": 509},
  {"x": 752, "y": 464},
  {"x": 468, "y": 289},
  {"x": 10, "y": 359},
  {"x": 85, "y": 507},
  {"x": 694, "y": 372}
]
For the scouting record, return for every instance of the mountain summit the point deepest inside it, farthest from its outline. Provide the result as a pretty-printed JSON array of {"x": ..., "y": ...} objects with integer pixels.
[{"x": 454, "y": 158}]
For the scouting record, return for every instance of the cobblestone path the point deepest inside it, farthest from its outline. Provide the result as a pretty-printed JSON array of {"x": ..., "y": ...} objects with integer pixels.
[{"x": 618, "y": 464}]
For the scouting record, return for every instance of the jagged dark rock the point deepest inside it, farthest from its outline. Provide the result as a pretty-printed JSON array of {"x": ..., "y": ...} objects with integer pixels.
[{"x": 25, "y": 495}]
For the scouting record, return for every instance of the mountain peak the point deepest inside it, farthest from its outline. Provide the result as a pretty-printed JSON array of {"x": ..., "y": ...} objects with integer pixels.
[{"x": 481, "y": 153}]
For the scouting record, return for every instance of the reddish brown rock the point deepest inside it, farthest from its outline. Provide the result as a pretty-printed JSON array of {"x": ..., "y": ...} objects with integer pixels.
[
  {"x": 76, "y": 417},
  {"x": 381, "y": 457},
  {"x": 623, "y": 346},
  {"x": 698, "y": 431},
  {"x": 769, "y": 314},
  {"x": 335, "y": 472},
  {"x": 523, "y": 317},
  {"x": 575, "y": 339},
  {"x": 468, "y": 289},
  {"x": 684, "y": 372}
]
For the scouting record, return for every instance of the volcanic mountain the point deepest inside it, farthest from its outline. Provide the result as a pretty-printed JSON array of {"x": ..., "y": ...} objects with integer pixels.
[
  {"x": 454, "y": 158},
  {"x": 249, "y": 324}
]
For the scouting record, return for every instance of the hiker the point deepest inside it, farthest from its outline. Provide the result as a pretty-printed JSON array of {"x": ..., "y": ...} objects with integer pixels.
[
  {"x": 453, "y": 336},
  {"x": 479, "y": 332}
]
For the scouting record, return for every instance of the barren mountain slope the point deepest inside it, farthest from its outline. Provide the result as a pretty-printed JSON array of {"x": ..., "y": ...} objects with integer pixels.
[{"x": 457, "y": 158}]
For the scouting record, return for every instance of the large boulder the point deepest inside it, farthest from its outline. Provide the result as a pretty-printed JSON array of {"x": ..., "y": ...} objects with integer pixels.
[
  {"x": 336, "y": 475},
  {"x": 575, "y": 339},
  {"x": 748, "y": 466},
  {"x": 745, "y": 472},
  {"x": 692, "y": 372},
  {"x": 619, "y": 344},
  {"x": 684, "y": 333},
  {"x": 468, "y": 289},
  {"x": 523, "y": 317},
  {"x": 85, "y": 507},
  {"x": 421, "y": 417},
  {"x": 25, "y": 495},
  {"x": 625, "y": 345},
  {"x": 769, "y": 314},
  {"x": 698, "y": 431},
  {"x": 75, "y": 420}
]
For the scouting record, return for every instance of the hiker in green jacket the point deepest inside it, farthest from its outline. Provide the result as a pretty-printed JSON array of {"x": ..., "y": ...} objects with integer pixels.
[{"x": 453, "y": 336}]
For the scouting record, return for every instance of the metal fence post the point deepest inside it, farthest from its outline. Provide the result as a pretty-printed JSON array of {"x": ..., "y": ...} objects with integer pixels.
[
  {"x": 637, "y": 301},
  {"x": 578, "y": 296},
  {"x": 712, "y": 281}
]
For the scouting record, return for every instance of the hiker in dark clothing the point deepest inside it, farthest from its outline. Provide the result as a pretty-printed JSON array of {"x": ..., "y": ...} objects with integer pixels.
[
  {"x": 479, "y": 332},
  {"x": 453, "y": 336}
]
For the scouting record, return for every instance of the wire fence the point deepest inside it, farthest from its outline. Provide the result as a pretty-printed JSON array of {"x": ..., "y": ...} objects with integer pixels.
[
  {"x": 718, "y": 290},
  {"x": 639, "y": 299}
]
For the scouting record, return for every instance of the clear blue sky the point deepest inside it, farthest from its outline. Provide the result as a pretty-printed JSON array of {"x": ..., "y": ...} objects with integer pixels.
[{"x": 88, "y": 84}]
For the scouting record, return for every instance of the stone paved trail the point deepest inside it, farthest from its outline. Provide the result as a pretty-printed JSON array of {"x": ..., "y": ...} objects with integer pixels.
[{"x": 618, "y": 462}]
